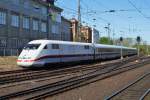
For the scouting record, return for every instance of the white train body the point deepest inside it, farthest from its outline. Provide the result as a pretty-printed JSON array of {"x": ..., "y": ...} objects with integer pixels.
[{"x": 42, "y": 52}]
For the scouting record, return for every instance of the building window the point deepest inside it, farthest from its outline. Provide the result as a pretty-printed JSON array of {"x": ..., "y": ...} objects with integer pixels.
[
  {"x": 15, "y": 20},
  {"x": 35, "y": 25},
  {"x": 13, "y": 42},
  {"x": 55, "y": 29},
  {"x": 58, "y": 18},
  {"x": 2, "y": 42},
  {"x": 2, "y": 18},
  {"x": 43, "y": 27},
  {"x": 26, "y": 22},
  {"x": 44, "y": 10},
  {"x": 26, "y": 3},
  {"x": 36, "y": 7}
]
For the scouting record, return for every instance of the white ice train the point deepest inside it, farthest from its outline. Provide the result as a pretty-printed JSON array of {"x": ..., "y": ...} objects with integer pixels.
[{"x": 42, "y": 52}]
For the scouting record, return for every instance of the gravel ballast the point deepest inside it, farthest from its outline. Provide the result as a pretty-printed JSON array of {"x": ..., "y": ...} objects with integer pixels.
[{"x": 101, "y": 89}]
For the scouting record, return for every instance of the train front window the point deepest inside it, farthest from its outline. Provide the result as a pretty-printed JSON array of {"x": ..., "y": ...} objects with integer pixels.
[
  {"x": 32, "y": 46},
  {"x": 45, "y": 47}
]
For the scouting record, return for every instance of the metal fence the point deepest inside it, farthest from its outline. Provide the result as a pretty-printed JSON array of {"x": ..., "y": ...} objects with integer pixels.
[{"x": 9, "y": 52}]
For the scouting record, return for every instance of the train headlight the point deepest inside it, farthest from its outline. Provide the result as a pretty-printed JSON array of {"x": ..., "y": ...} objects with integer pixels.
[{"x": 24, "y": 57}]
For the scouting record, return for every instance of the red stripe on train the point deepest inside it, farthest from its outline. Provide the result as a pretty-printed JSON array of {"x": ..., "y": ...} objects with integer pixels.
[{"x": 54, "y": 56}]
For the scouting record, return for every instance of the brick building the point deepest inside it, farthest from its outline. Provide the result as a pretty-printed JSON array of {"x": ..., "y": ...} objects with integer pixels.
[
  {"x": 85, "y": 32},
  {"x": 73, "y": 29}
]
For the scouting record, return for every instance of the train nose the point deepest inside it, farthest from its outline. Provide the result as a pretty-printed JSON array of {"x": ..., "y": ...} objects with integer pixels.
[{"x": 24, "y": 62}]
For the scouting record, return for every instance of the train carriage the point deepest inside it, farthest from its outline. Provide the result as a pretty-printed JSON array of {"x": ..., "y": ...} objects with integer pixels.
[
  {"x": 42, "y": 52},
  {"x": 106, "y": 51}
]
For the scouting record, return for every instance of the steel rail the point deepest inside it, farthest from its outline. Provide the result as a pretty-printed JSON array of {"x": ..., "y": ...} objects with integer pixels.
[
  {"x": 145, "y": 94},
  {"x": 13, "y": 72},
  {"x": 126, "y": 87},
  {"x": 75, "y": 80},
  {"x": 41, "y": 74},
  {"x": 81, "y": 81}
]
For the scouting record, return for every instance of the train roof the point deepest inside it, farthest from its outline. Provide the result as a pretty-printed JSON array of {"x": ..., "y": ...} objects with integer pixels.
[
  {"x": 113, "y": 46},
  {"x": 59, "y": 42},
  {"x": 79, "y": 43}
]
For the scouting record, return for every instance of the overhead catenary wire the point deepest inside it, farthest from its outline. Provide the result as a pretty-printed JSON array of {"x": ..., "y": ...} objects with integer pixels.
[
  {"x": 138, "y": 10},
  {"x": 88, "y": 13}
]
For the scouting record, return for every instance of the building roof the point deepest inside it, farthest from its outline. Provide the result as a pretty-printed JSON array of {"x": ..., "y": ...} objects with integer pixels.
[
  {"x": 73, "y": 20},
  {"x": 63, "y": 18},
  {"x": 44, "y": 2}
]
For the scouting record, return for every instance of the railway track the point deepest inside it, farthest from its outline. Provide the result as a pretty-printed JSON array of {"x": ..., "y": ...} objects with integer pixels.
[
  {"x": 137, "y": 90},
  {"x": 24, "y": 75},
  {"x": 27, "y": 70},
  {"x": 73, "y": 82},
  {"x": 13, "y": 72},
  {"x": 146, "y": 95}
]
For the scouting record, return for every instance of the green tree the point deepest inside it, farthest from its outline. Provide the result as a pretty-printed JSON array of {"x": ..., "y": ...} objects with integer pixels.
[
  {"x": 144, "y": 49},
  {"x": 105, "y": 40}
]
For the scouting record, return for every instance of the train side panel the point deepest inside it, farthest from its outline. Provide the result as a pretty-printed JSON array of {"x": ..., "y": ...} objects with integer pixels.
[{"x": 51, "y": 52}]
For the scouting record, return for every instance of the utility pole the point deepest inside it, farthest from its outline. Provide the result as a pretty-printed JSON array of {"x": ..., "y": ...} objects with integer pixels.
[
  {"x": 79, "y": 23},
  {"x": 108, "y": 31},
  {"x": 113, "y": 36}
]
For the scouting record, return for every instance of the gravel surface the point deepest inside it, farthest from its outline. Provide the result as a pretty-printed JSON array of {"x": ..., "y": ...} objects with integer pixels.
[
  {"x": 135, "y": 91},
  {"x": 147, "y": 97},
  {"x": 15, "y": 87},
  {"x": 9, "y": 63},
  {"x": 101, "y": 89}
]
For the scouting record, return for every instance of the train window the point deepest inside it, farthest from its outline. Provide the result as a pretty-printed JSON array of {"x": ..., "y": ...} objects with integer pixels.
[
  {"x": 99, "y": 50},
  {"x": 109, "y": 50},
  {"x": 45, "y": 47},
  {"x": 55, "y": 46},
  {"x": 102, "y": 49},
  {"x": 86, "y": 47},
  {"x": 32, "y": 46}
]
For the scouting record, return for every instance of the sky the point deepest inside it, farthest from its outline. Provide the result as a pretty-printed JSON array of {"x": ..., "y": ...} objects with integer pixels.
[{"x": 130, "y": 19}]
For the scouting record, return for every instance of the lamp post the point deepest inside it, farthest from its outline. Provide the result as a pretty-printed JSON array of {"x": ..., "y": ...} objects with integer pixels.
[
  {"x": 79, "y": 23},
  {"x": 113, "y": 42},
  {"x": 108, "y": 31}
]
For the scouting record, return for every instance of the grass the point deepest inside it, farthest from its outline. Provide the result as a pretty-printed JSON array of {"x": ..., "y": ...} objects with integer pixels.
[{"x": 8, "y": 63}]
